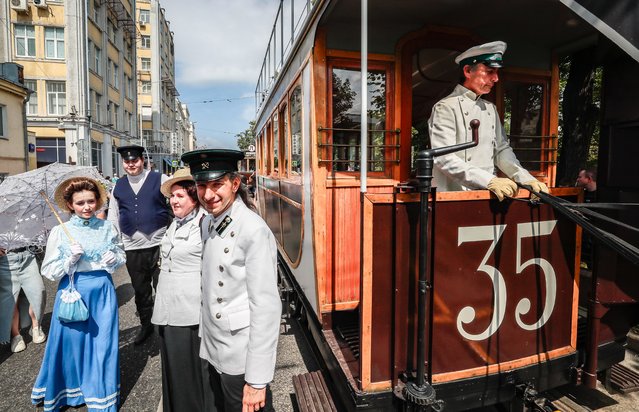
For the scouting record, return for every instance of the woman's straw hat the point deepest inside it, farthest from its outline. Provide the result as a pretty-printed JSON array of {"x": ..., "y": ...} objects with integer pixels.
[
  {"x": 59, "y": 192},
  {"x": 179, "y": 176}
]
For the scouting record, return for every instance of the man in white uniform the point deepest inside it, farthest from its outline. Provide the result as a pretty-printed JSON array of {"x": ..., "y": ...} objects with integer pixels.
[
  {"x": 449, "y": 124},
  {"x": 241, "y": 307}
]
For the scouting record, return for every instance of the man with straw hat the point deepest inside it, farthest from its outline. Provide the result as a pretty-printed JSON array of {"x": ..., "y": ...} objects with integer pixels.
[
  {"x": 139, "y": 210},
  {"x": 449, "y": 124}
]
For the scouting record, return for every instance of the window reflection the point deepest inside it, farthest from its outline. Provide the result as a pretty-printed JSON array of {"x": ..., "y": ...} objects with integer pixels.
[
  {"x": 346, "y": 109},
  {"x": 523, "y": 121}
]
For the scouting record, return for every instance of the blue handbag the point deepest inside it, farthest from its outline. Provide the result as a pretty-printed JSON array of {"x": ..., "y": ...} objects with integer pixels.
[{"x": 71, "y": 308}]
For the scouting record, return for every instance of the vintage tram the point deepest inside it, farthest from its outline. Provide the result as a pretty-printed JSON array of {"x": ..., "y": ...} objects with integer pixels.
[{"x": 507, "y": 308}]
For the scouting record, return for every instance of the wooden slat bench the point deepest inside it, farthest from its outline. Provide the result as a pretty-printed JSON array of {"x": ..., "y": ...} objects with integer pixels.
[{"x": 312, "y": 393}]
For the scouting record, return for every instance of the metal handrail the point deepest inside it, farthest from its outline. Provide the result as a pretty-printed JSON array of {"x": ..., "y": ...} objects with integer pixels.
[
  {"x": 278, "y": 48},
  {"x": 337, "y": 129}
]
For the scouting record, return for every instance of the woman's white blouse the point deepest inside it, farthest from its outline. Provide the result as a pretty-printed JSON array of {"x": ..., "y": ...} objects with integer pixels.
[
  {"x": 96, "y": 236},
  {"x": 178, "y": 295}
]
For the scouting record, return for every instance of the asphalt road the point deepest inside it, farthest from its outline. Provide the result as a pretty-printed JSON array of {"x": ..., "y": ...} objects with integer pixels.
[{"x": 141, "y": 383}]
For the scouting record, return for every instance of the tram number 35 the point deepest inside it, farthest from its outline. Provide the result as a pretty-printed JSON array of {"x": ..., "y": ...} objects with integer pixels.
[{"x": 494, "y": 233}]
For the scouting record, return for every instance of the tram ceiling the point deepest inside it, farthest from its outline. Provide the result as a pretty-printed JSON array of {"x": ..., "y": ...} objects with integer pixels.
[{"x": 544, "y": 24}]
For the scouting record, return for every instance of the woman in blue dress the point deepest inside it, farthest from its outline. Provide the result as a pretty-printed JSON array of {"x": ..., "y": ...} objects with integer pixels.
[{"x": 81, "y": 359}]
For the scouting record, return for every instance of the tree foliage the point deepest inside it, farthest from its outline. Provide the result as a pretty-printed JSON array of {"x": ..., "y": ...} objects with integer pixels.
[
  {"x": 580, "y": 87},
  {"x": 247, "y": 137}
]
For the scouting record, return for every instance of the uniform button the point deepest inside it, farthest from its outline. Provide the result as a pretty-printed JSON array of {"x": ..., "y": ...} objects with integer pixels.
[
  {"x": 221, "y": 268},
  {"x": 466, "y": 113},
  {"x": 226, "y": 250},
  {"x": 169, "y": 270},
  {"x": 135, "y": 205},
  {"x": 219, "y": 300},
  {"x": 220, "y": 283},
  {"x": 218, "y": 315},
  {"x": 232, "y": 234}
]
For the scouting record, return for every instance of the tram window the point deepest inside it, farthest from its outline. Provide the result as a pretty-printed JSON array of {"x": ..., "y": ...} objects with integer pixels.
[
  {"x": 267, "y": 150},
  {"x": 276, "y": 144},
  {"x": 296, "y": 131},
  {"x": 523, "y": 122},
  {"x": 284, "y": 156},
  {"x": 346, "y": 106}
]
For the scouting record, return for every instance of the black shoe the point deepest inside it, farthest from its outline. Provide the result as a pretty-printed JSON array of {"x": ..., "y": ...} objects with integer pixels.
[{"x": 143, "y": 334}]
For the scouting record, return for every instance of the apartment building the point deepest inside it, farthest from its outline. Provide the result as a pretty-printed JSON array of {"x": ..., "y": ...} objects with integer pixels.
[
  {"x": 156, "y": 89},
  {"x": 16, "y": 151},
  {"x": 184, "y": 129},
  {"x": 79, "y": 60}
]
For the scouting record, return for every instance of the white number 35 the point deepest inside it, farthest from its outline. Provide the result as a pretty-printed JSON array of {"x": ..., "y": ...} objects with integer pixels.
[{"x": 494, "y": 233}]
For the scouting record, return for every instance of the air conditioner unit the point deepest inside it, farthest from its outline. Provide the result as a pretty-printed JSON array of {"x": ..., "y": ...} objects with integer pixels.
[
  {"x": 19, "y": 5},
  {"x": 40, "y": 3},
  {"x": 142, "y": 23}
]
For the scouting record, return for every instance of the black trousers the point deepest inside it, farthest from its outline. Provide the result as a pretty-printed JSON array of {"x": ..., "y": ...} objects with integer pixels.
[
  {"x": 185, "y": 376},
  {"x": 228, "y": 391},
  {"x": 144, "y": 268}
]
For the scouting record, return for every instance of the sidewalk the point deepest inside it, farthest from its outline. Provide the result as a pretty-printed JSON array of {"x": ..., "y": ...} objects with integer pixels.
[{"x": 141, "y": 382}]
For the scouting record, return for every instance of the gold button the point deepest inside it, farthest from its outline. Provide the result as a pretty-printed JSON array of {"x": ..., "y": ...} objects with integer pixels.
[
  {"x": 219, "y": 300},
  {"x": 221, "y": 268},
  {"x": 226, "y": 250},
  {"x": 218, "y": 315},
  {"x": 220, "y": 283}
]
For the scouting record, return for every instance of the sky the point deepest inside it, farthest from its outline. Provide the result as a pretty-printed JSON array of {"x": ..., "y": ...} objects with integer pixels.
[{"x": 219, "y": 49}]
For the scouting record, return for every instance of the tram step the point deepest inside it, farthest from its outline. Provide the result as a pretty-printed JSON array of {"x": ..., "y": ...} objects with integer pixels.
[
  {"x": 624, "y": 379},
  {"x": 312, "y": 393}
]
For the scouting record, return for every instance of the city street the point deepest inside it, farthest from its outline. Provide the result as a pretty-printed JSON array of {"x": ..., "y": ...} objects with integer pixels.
[{"x": 141, "y": 383}]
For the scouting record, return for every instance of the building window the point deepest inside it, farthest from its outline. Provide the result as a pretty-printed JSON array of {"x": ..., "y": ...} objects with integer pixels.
[
  {"x": 32, "y": 103},
  {"x": 146, "y": 87},
  {"x": 146, "y": 42},
  {"x": 109, "y": 71},
  {"x": 116, "y": 114},
  {"x": 98, "y": 108},
  {"x": 112, "y": 31},
  {"x": 146, "y": 63},
  {"x": 116, "y": 76},
  {"x": 3, "y": 113},
  {"x": 96, "y": 154},
  {"x": 129, "y": 50},
  {"x": 98, "y": 59},
  {"x": 25, "y": 40},
  {"x": 50, "y": 151},
  {"x": 56, "y": 98},
  {"x": 54, "y": 42},
  {"x": 109, "y": 117},
  {"x": 96, "y": 11},
  {"x": 145, "y": 16}
]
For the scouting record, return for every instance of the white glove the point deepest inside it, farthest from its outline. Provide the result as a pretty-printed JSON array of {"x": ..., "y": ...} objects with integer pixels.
[
  {"x": 537, "y": 186},
  {"x": 76, "y": 253},
  {"x": 502, "y": 187},
  {"x": 108, "y": 258}
]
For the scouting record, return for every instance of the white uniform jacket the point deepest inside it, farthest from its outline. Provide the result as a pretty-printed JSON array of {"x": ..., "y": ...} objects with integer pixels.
[
  {"x": 449, "y": 124},
  {"x": 178, "y": 296},
  {"x": 241, "y": 307}
]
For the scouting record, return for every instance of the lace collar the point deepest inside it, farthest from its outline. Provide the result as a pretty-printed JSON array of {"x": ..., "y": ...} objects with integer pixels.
[{"x": 80, "y": 222}]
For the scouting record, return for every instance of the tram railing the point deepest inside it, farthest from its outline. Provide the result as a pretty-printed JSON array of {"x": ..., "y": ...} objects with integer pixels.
[{"x": 291, "y": 17}]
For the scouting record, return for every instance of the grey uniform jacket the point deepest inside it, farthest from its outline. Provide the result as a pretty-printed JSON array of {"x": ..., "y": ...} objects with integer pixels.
[
  {"x": 178, "y": 295},
  {"x": 241, "y": 307},
  {"x": 470, "y": 169}
]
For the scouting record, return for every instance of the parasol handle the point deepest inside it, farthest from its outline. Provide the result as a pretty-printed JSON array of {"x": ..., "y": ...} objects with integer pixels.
[{"x": 66, "y": 231}]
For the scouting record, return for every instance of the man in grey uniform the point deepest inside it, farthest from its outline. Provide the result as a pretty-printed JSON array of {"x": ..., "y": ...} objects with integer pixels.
[
  {"x": 241, "y": 307},
  {"x": 449, "y": 124}
]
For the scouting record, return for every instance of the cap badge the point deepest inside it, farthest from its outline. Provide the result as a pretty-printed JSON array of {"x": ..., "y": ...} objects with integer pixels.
[{"x": 205, "y": 165}]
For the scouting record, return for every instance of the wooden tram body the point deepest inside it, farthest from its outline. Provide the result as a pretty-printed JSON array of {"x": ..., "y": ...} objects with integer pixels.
[{"x": 507, "y": 301}]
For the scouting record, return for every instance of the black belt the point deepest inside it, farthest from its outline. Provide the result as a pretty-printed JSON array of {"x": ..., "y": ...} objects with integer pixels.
[{"x": 19, "y": 250}]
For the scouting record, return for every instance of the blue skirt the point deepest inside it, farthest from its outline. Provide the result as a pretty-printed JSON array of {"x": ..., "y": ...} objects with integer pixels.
[{"x": 81, "y": 362}]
